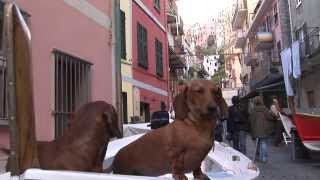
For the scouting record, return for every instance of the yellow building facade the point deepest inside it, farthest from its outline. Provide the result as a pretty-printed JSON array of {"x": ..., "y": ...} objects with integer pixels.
[{"x": 126, "y": 61}]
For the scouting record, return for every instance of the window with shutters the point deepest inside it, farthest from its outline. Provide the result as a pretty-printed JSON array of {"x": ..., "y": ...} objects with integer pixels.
[
  {"x": 156, "y": 4},
  {"x": 159, "y": 64},
  {"x": 142, "y": 46},
  {"x": 123, "y": 35}
]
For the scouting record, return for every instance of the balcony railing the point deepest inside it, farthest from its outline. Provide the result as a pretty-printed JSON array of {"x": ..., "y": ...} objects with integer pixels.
[
  {"x": 173, "y": 27},
  {"x": 250, "y": 59},
  {"x": 177, "y": 61},
  {"x": 171, "y": 12},
  {"x": 267, "y": 65},
  {"x": 240, "y": 15},
  {"x": 311, "y": 43},
  {"x": 241, "y": 39}
]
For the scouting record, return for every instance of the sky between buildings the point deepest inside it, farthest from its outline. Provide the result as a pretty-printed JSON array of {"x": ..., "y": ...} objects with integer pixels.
[{"x": 201, "y": 11}]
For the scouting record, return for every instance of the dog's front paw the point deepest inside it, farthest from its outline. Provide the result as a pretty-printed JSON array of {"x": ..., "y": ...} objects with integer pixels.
[
  {"x": 179, "y": 177},
  {"x": 202, "y": 177}
]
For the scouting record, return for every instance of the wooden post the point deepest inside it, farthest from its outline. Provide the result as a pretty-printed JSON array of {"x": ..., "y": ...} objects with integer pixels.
[
  {"x": 23, "y": 143},
  {"x": 11, "y": 88},
  {"x": 117, "y": 55}
]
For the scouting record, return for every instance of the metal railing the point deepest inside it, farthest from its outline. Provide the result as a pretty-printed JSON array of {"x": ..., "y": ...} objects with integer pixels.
[
  {"x": 171, "y": 7},
  {"x": 3, "y": 99},
  {"x": 262, "y": 68},
  {"x": 72, "y": 87},
  {"x": 240, "y": 5},
  {"x": 310, "y": 44}
]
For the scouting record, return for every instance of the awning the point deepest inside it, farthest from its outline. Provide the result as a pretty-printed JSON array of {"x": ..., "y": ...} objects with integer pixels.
[
  {"x": 270, "y": 86},
  {"x": 269, "y": 79},
  {"x": 266, "y": 84}
]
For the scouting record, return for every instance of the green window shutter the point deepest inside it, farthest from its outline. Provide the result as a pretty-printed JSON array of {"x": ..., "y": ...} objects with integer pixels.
[
  {"x": 156, "y": 4},
  {"x": 159, "y": 63},
  {"x": 142, "y": 46},
  {"x": 145, "y": 45},
  {"x": 123, "y": 35},
  {"x": 139, "y": 38}
]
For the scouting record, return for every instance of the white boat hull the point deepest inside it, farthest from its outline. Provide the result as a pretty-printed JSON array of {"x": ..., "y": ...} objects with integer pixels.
[{"x": 223, "y": 163}]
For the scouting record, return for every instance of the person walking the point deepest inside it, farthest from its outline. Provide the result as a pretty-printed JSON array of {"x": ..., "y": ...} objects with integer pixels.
[
  {"x": 261, "y": 128},
  {"x": 238, "y": 125},
  {"x": 275, "y": 111}
]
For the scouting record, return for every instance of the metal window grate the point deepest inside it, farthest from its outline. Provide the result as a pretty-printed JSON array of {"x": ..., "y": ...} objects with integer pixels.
[
  {"x": 3, "y": 99},
  {"x": 72, "y": 87}
]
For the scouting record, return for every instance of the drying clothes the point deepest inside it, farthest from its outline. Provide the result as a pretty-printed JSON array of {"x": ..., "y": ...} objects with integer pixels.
[
  {"x": 287, "y": 70},
  {"x": 296, "y": 69}
]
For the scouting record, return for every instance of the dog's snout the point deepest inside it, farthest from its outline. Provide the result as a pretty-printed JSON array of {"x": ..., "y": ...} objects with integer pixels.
[{"x": 212, "y": 108}]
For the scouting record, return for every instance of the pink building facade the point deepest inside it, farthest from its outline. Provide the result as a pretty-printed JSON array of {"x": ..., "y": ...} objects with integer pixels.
[
  {"x": 151, "y": 80},
  {"x": 262, "y": 51},
  {"x": 71, "y": 43}
]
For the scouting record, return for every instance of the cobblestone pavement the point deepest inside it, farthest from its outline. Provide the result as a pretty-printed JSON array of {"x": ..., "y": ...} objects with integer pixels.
[{"x": 280, "y": 166}]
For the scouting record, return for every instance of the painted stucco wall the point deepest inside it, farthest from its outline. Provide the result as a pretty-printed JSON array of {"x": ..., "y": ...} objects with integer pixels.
[
  {"x": 149, "y": 76},
  {"x": 268, "y": 11},
  {"x": 83, "y": 31},
  {"x": 307, "y": 12},
  {"x": 126, "y": 65},
  {"x": 210, "y": 64},
  {"x": 309, "y": 85}
]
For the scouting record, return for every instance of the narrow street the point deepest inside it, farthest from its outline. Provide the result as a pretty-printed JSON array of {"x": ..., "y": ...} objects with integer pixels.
[
  {"x": 280, "y": 166},
  {"x": 81, "y": 80}
]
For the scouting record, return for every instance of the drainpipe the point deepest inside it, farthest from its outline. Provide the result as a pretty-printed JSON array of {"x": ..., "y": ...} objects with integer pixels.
[
  {"x": 291, "y": 27},
  {"x": 116, "y": 61}
]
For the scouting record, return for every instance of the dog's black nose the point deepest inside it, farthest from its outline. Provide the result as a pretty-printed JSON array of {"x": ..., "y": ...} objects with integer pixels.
[{"x": 212, "y": 108}]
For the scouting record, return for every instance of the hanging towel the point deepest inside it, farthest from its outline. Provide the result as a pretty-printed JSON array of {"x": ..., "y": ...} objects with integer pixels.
[
  {"x": 287, "y": 70},
  {"x": 296, "y": 60}
]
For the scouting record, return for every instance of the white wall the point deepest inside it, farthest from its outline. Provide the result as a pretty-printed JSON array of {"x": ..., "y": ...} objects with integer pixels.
[{"x": 211, "y": 64}]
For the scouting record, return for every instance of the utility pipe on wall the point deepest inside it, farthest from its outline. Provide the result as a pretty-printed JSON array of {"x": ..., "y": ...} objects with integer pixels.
[{"x": 116, "y": 61}]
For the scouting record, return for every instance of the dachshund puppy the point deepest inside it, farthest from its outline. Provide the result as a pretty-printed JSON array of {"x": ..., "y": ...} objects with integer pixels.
[
  {"x": 181, "y": 146},
  {"x": 84, "y": 144}
]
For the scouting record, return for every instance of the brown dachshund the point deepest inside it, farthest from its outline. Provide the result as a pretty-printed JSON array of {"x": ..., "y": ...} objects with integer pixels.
[
  {"x": 181, "y": 146},
  {"x": 84, "y": 144}
]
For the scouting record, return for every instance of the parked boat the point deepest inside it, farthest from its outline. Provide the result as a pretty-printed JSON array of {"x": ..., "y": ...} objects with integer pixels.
[{"x": 308, "y": 126}]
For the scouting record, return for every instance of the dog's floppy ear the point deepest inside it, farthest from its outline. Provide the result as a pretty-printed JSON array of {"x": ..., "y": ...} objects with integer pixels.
[
  {"x": 112, "y": 123},
  {"x": 224, "y": 113},
  {"x": 180, "y": 105}
]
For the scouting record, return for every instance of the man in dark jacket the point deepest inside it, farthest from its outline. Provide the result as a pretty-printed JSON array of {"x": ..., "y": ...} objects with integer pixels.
[
  {"x": 261, "y": 128},
  {"x": 238, "y": 124}
]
